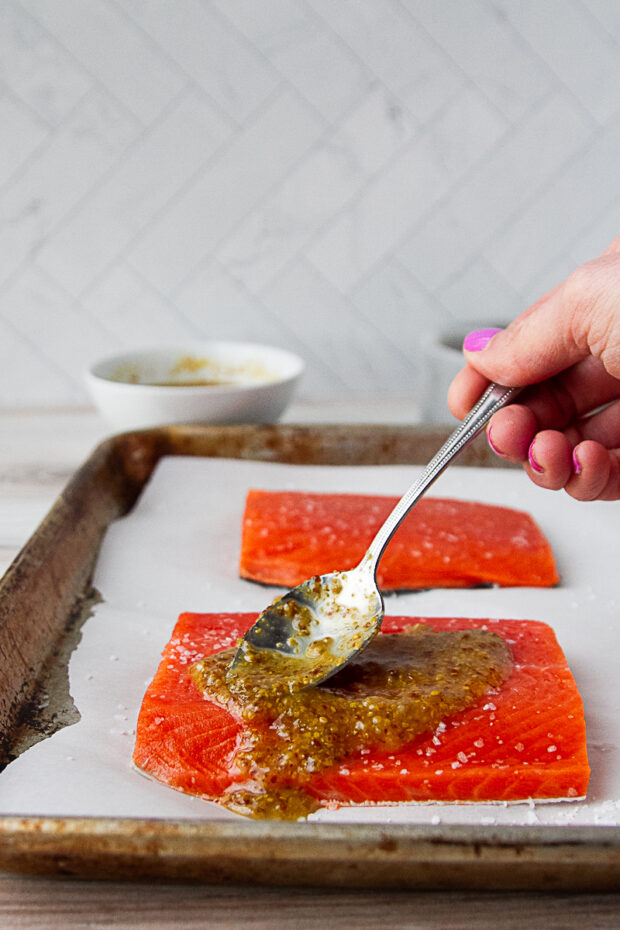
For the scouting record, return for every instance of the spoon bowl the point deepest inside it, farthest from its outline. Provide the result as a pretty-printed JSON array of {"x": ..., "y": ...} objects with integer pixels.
[{"x": 314, "y": 629}]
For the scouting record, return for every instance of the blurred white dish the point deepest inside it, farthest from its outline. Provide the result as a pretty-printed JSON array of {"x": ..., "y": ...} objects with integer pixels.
[{"x": 203, "y": 382}]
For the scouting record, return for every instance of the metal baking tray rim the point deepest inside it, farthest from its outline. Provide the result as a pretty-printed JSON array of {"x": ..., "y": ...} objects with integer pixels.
[{"x": 46, "y": 595}]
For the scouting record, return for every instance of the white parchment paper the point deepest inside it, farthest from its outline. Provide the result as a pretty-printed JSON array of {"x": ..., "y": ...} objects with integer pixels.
[{"x": 178, "y": 550}]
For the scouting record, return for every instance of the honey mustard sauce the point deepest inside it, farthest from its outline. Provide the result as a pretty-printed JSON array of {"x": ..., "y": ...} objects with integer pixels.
[{"x": 400, "y": 686}]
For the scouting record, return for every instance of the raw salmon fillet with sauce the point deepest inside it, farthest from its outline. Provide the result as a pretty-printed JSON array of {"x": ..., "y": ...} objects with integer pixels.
[
  {"x": 523, "y": 740},
  {"x": 289, "y": 536}
]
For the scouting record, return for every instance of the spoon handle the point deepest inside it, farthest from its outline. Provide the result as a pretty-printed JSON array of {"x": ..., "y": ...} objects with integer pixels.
[{"x": 495, "y": 397}]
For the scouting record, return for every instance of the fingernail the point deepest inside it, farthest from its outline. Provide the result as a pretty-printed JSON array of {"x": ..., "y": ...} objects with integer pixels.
[
  {"x": 492, "y": 444},
  {"x": 530, "y": 457},
  {"x": 478, "y": 339},
  {"x": 576, "y": 465}
]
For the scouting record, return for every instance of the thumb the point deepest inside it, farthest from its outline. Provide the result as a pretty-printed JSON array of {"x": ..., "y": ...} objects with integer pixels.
[{"x": 580, "y": 317}]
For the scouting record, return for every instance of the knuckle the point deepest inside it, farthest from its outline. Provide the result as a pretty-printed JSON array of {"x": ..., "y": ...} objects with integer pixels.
[{"x": 590, "y": 296}]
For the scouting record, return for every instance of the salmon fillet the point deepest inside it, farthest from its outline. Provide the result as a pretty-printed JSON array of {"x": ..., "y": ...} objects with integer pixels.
[
  {"x": 289, "y": 536},
  {"x": 526, "y": 739}
]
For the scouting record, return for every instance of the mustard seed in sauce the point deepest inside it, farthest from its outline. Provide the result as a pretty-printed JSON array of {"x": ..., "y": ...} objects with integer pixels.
[{"x": 400, "y": 686}]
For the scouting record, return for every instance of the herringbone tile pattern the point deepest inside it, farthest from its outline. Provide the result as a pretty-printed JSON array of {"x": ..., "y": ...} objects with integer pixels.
[{"x": 333, "y": 176}]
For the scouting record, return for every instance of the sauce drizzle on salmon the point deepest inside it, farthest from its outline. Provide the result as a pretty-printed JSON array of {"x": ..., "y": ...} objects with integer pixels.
[{"x": 522, "y": 736}]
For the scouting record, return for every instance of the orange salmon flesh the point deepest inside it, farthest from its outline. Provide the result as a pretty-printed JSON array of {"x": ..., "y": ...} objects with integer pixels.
[{"x": 289, "y": 536}]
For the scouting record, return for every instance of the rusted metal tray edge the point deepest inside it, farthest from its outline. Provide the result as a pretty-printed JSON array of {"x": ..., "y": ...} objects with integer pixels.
[{"x": 45, "y": 596}]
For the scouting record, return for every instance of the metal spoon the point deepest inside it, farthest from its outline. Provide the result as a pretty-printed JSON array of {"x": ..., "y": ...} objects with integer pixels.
[{"x": 313, "y": 630}]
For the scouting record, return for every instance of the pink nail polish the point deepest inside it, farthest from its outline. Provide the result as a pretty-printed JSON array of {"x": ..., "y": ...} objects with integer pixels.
[
  {"x": 576, "y": 465},
  {"x": 478, "y": 339},
  {"x": 533, "y": 463}
]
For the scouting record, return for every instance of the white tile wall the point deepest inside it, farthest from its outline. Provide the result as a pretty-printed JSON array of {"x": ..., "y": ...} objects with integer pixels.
[{"x": 339, "y": 177}]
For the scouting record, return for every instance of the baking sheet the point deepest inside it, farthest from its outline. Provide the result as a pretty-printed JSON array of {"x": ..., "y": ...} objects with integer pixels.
[{"x": 178, "y": 550}]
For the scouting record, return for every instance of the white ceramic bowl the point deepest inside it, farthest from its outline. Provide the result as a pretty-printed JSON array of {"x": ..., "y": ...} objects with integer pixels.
[{"x": 205, "y": 382}]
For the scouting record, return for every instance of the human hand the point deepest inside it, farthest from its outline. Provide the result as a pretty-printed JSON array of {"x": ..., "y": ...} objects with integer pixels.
[{"x": 565, "y": 351}]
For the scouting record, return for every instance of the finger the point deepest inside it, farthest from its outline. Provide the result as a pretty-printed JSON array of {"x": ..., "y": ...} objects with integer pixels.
[
  {"x": 602, "y": 427},
  {"x": 511, "y": 432},
  {"x": 596, "y": 473},
  {"x": 589, "y": 384},
  {"x": 577, "y": 319},
  {"x": 537, "y": 345},
  {"x": 550, "y": 460},
  {"x": 556, "y": 403},
  {"x": 572, "y": 394},
  {"x": 466, "y": 388},
  {"x": 581, "y": 459}
]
